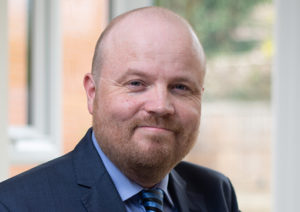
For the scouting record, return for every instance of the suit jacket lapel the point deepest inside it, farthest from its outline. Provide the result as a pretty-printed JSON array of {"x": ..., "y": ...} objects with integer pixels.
[
  {"x": 97, "y": 188},
  {"x": 185, "y": 199},
  {"x": 102, "y": 197},
  {"x": 178, "y": 191}
]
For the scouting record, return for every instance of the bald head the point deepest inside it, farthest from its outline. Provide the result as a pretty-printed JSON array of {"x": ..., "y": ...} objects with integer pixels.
[{"x": 136, "y": 26}]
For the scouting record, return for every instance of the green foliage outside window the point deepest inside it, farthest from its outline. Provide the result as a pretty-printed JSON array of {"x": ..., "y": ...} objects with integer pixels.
[{"x": 216, "y": 23}]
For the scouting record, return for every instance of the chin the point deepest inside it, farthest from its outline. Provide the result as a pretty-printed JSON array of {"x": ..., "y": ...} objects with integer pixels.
[{"x": 155, "y": 156}]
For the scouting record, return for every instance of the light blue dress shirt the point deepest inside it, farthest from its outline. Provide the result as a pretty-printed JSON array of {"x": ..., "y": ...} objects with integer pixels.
[{"x": 128, "y": 189}]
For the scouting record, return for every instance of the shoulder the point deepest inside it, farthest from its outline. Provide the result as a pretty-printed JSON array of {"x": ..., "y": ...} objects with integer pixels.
[
  {"x": 39, "y": 187},
  {"x": 52, "y": 186},
  {"x": 199, "y": 177},
  {"x": 214, "y": 186},
  {"x": 55, "y": 170},
  {"x": 195, "y": 172},
  {"x": 37, "y": 177},
  {"x": 49, "y": 187}
]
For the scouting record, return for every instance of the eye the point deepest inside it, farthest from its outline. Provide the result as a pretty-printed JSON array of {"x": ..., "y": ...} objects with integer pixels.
[
  {"x": 181, "y": 89},
  {"x": 136, "y": 85}
]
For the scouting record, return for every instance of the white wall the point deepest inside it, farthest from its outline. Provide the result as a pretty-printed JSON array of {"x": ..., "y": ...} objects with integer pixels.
[
  {"x": 286, "y": 107},
  {"x": 4, "y": 160}
]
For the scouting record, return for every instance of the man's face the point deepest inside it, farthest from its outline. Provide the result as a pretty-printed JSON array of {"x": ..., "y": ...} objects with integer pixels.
[{"x": 147, "y": 105}]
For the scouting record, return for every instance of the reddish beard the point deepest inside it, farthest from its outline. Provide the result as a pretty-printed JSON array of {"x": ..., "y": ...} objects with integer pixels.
[{"x": 153, "y": 156}]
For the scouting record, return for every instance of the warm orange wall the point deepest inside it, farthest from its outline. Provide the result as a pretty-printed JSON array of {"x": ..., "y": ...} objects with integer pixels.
[
  {"x": 17, "y": 62},
  {"x": 83, "y": 22},
  {"x": 17, "y": 68}
]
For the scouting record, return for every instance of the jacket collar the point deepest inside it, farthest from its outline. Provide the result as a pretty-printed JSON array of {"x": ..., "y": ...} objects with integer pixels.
[
  {"x": 97, "y": 189},
  {"x": 185, "y": 199}
]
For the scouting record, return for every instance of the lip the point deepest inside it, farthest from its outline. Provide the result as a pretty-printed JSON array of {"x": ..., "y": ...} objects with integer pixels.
[{"x": 155, "y": 128}]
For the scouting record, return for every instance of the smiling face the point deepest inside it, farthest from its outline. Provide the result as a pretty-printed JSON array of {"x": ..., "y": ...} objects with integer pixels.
[{"x": 146, "y": 106}]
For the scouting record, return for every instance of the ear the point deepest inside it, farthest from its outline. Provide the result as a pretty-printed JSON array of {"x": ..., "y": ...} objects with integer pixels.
[{"x": 90, "y": 90}]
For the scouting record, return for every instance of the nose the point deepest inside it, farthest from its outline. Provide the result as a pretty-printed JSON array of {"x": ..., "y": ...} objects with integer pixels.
[{"x": 159, "y": 102}]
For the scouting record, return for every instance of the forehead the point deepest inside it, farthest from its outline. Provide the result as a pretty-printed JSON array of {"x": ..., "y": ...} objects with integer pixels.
[
  {"x": 152, "y": 42},
  {"x": 150, "y": 30}
]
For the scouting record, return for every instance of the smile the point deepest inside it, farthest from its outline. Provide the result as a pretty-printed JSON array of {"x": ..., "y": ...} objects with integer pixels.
[{"x": 155, "y": 129}]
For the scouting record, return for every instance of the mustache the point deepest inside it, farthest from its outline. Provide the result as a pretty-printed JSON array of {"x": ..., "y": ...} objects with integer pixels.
[{"x": 157, "y": 122}]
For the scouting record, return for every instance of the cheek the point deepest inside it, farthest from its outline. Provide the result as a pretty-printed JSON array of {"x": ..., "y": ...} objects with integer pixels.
[
  {"x": 123, "y": 109},
  {"x": 189, "y": 115}
]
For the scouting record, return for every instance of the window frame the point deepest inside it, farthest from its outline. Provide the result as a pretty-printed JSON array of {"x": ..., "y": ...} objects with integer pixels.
[
  {"x": 40, "y": 140},
  {"x": 4, "y": 161}
]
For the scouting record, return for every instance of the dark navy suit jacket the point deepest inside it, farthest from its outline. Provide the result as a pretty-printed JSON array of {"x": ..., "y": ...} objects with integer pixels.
[{"x": 79, "y": 182}]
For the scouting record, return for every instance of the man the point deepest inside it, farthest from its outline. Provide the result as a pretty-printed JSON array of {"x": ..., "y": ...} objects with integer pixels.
[{"x": 144, "y": 94}]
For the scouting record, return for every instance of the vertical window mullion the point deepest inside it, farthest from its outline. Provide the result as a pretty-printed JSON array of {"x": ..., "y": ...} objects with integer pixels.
[
  {"x": 39, "y": 66},
  {"x": 54, "y": 64},
  {"x": 4, "y": 157}
]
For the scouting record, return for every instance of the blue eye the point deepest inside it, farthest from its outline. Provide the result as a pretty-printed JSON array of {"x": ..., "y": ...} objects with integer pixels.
[
  {"x": 135, "y": 83},
  {"x": 181, "y": 87}
]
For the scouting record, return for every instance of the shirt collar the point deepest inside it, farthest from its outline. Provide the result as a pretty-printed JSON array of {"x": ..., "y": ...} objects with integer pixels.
[{"x": 126, "y": 187}]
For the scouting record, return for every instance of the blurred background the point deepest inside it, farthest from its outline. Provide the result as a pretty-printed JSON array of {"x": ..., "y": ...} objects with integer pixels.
[{"x": 47, "y": 47}]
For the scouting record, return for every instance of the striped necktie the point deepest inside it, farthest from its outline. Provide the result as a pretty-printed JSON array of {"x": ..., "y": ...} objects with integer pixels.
[{"x": 153, "y": 200}]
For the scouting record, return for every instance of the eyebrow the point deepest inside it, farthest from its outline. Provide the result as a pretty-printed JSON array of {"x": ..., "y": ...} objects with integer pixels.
[{"x": 133, "y": 72}]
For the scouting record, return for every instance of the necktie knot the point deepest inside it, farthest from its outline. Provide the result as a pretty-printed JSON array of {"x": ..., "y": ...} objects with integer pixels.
[{"x": 152, "y": 200}]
